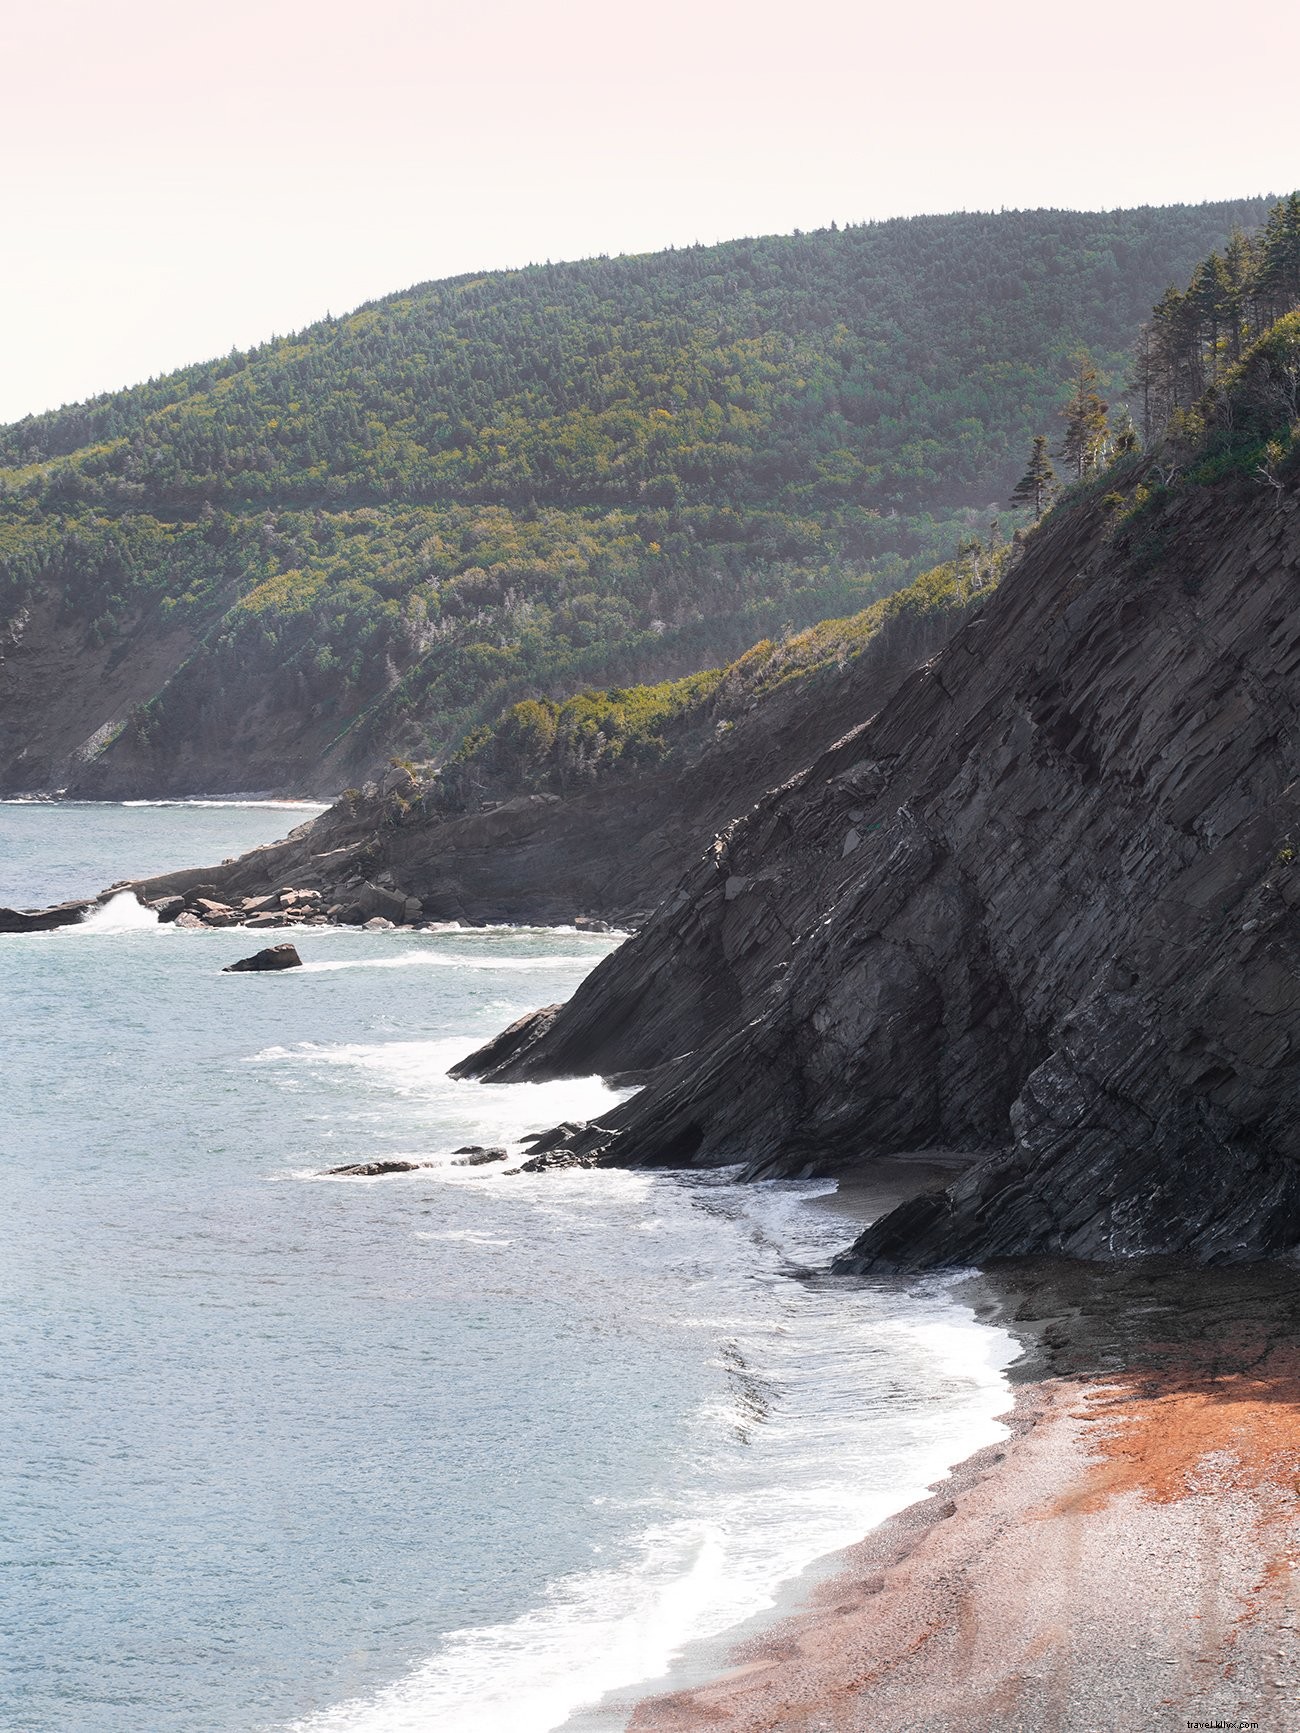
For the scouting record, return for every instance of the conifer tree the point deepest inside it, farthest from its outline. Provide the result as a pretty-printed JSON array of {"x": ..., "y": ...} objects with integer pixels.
[
  {"x": 1085, "y": 421},
  {"x": 1035, "y": 486}
]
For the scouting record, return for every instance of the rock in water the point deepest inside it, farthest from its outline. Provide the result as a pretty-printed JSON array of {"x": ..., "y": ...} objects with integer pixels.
[
  {"x": 273, "y": 957},
  {"x": 474, "y": 1155},
  {"x": 43, "y": 920},
  {"x": 370, "y": 1169}
]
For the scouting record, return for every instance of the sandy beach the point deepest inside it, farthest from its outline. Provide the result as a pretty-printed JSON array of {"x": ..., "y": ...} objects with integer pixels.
[{"x": 1127, "y": 1559}]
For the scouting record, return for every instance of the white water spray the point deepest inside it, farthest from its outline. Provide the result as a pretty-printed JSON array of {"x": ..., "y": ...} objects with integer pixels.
[{"x": 120, "y": 914}]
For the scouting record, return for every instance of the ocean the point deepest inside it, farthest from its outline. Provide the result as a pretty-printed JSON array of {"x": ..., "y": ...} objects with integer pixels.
[{"x": 456, "y": 1450}]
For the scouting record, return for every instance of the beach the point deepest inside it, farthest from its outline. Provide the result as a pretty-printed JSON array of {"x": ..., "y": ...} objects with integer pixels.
[{"x": 1125, "y": 1560}]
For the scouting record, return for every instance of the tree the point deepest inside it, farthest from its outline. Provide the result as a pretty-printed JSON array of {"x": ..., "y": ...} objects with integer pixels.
[
  {"x": 1086, "y": 426},
  {"x": 1037, "y": 483}
]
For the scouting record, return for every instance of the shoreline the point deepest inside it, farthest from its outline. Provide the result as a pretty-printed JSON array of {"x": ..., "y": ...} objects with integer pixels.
[{"x": 1129, "y": 1558}]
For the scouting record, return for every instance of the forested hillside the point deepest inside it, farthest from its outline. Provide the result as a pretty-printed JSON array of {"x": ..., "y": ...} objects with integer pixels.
[{"x": 279, "y": 568}]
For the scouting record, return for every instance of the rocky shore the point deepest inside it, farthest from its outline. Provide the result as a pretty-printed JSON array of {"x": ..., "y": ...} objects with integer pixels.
[{"x": 1127, "y": 1560}]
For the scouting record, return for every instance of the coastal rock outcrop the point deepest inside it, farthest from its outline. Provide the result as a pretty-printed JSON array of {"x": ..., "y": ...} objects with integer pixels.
[
  {"x": 605, "y": 853},
  {"x": 272, "y": 958},
  {"x": 1044, "y": 908},
  {"x": 44, "y": 920}
]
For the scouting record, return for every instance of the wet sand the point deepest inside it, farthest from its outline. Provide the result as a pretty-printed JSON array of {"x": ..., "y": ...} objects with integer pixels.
[{"x": 1129, "y": 1559}]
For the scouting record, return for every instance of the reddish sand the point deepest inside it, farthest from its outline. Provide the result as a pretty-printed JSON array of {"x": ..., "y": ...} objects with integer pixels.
[{"x": 1127, "y": 1561}]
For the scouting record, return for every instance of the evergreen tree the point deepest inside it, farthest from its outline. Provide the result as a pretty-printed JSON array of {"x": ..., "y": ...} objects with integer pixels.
[
  {"x": 1035, "y": 486},
  {"x": 1086, "y": 426}
]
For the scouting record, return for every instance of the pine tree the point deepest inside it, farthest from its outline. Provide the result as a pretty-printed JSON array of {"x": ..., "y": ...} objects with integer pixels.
[
  {"x": 1035, "y": 486},
  {"x": 1085, "y": 421}
]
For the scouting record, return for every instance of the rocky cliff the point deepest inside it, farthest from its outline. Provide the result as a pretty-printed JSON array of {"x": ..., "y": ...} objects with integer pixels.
[{"x": 1043, "y": 908}]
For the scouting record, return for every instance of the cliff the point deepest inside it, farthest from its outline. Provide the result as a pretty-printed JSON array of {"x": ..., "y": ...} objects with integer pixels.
[{"x": 1043, "y": 908}]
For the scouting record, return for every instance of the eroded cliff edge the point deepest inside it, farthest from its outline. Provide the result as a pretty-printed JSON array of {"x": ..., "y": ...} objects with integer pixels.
[{"x": 1044, "y": 907}]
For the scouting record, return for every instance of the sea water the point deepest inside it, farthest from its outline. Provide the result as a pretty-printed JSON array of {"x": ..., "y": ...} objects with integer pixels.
[{"x": 456, "y": 1450}]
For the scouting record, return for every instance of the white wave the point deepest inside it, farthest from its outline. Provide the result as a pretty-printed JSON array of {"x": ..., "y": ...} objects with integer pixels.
[
  {"x": 120, "y": 914},
  {"x": 433, "y": 960},
  {"x": 266, "y": 805},
  {"x": 838, "y": 1405},
  {"x": 512, "y": 930},
  {"x": 458, "y": 1112},
  {"x": 467, "y": 1236},
  {"x": 842, "y": 1471}
]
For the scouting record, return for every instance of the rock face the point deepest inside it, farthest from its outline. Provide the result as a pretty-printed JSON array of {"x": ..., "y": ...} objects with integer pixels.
[
  {"x": 1043, "y": 908},
  {"x": 273, "y": 957}
]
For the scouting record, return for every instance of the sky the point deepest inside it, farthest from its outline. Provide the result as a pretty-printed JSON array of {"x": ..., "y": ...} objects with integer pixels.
[{"x": 181, "y": 178}]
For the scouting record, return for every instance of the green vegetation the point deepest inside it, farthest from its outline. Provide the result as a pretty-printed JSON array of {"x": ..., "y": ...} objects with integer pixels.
[
  {"x": 1196, "y": 340},
  {"x": 557, "y": 748},
  {"x": 615, "y": 471},
  {"x": 1236, "y": 333}
]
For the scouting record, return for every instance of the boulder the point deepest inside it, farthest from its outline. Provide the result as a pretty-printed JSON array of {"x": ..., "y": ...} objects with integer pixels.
[
  {"x": 274, "y": 957},
  {"x": 166, "y": 908},
  {"x": 373, "y": 1169},
  {"x": 268, "y": 918},
  {"x": 42, "y": 920},
  {"x": 474, "y": 1155},
  {"x": 186, "y": 919},
  {"x": 256, "y": 905},
  {"x": 377, "y": 925}
]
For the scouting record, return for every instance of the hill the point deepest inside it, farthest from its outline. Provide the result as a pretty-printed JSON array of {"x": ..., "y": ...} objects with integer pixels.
[{"x": 278, "y": 569}]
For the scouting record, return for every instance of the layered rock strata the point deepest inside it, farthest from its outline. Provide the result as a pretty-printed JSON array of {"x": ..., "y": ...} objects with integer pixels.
[{"x": 1043, "y": 908}]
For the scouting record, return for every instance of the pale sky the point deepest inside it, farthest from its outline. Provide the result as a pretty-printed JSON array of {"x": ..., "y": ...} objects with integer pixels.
[{"x": 183, "y": 177}]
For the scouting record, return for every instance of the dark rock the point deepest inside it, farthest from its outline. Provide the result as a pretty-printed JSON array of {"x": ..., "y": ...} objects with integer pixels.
[
  {"x": 558, "y": 1158},
  {"x": 43, "y": 920},
  {"x": 274, "y": 957},
  {"x": 476, "y": 1156},
  {"x": 511, "y": 1043},
  {"x": 540, "y": 1140},
  {"x": 373, "y": 1169},
  {"x": 167, "y": 908},
  {"x": 1069, "y": 930}
]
